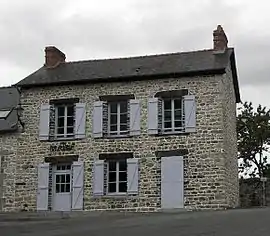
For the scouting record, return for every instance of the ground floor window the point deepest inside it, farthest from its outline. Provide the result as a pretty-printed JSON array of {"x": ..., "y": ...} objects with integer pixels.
[{"x": 117, "y": 176}]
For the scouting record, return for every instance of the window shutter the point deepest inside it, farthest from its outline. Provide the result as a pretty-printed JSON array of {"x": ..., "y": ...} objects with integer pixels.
[
  {"x": 135, "y": 117},
  {"x": 80, "y": 120},
  {"x": 98, "y": 178},
  {"x": 44, "y": 122},
  {"x": 97, "y": 119},
  {"x": 190, "y": 113},
  {"x": 133, "y": 175},
  {"x": 77, "y": 185},
  {"x": 153, "y": 115},
  {"x": 43, "y": 187}
]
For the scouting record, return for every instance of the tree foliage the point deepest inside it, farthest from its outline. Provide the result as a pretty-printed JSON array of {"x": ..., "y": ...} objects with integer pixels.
[{"x": 253, "y": 134}]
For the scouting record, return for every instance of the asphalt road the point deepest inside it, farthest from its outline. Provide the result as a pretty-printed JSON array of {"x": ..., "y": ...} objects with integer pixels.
[{"x": 249, "y": 222}]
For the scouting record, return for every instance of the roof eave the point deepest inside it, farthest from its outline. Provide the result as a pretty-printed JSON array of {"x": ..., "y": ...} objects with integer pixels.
[{"x": 128, "y": 78}]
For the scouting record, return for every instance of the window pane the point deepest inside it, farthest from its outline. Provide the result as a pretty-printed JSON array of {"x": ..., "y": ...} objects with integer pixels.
[
  {"x": 123, "y": 127},
  {"x": 167, "y": 105},
  {"x": 123, "y": 107},
  {"x": 113, "y": 119},
  {"x": 57, "y": 177},
  {"x": 61, "y": 111},
  {"x": 70, "y": 121},
  {"x": 112, "y": 187},
  {"x": 57, "y": 188},
  {"x": 68, "y": 188},
  {"x": 113, "y": 128},
  {"x": 177, "y": 104},
  {"x": 167, "y": 125},
  {"x": 112, "y": 176},
  {"x": 122, "y": 176},
  {"x": 60, "y": 131},
  {"x": 62, "y": 188},
  {"x": 60, "y": 122},
  {"x": 70, "y": 111},
  {"x": 63, "y": 178},
  {"x": 70, "y": 130},
  {"x": 68, "y": 167},
  {"x": 113, "y": 107},
  {"x": 123, "y": 165},
  {"x": 67, "y": 178},
  {"x": 112, "y": 166},
  {"x": 177, "y": 114},
  {"x": 178, "y": 124},
  {"x": 167, "y": 115},
  {"x": 123, "y": 187},
  {"x": 123, "y": 118}
]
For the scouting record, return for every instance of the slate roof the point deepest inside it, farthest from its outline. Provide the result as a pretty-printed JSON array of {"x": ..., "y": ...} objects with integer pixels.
[
  {"x": 134, "y": 68},
  {"x": 9, "y": 100}
]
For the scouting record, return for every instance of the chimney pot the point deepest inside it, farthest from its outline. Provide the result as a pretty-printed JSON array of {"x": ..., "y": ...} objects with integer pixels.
[
  {"x": 53, "y": 57},
  {"x": 220, "y": 39}
]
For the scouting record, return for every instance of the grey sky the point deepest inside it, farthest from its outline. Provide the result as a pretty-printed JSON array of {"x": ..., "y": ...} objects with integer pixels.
[{"x": 88, "y": 29}]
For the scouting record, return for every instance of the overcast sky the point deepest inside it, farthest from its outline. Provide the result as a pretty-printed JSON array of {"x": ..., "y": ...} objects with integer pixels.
[{"x": 90, "y": 29}]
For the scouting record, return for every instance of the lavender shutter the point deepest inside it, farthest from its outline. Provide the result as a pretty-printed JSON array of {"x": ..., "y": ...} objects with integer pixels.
[
  {"x": 135, "y": 117},
  {"x": 44, "y": 122},
  {"x": 43, "y": 187},
  {"x": 98, "y": 178},
  {"x": 153, "y": 115},
  {"x": 133, "y": 175},
  {"x": 190, "y": 113},
  {"x": 80, "y": 120},
  {"x": 77, "y": 185},
  {"x": 97, "y": 124},
  {"x": 172, "y": 182}
]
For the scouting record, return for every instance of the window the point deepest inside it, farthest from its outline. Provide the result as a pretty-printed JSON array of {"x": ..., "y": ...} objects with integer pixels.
[
  {"x": 118, "y": 118},
  {"x": 172, "y": 115},
  {"x": 117, "y": 176},
  {"x": 4, "y": 114},
  {"x": 64, "y": 121}
]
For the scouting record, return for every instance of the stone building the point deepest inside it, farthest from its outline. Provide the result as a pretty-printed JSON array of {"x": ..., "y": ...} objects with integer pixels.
[
  {"x": 9, "y": 133},
  {"x": 141, "y": 133}
]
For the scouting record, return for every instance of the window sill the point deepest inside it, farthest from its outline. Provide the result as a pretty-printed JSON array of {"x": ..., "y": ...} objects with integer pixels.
[
  {"x": 173, "y": 133},
  {"x": 55, "y": 139},
  {"x": 117, "y": 196},
  {"x": 117, "y": 136}
]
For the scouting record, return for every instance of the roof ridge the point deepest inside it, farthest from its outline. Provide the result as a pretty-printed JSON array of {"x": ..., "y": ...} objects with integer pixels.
[{"x": 138, "y": 57}]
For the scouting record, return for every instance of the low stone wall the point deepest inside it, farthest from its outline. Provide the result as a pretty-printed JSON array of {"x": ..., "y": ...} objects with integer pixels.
[{"x": 252, "y": 192}]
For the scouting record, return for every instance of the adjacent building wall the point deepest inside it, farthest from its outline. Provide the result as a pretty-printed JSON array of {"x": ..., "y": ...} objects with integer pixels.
[{"x": 8, "y": 151}]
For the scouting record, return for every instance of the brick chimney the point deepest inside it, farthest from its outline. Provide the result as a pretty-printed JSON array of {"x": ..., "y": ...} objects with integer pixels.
[
  {"x": 53, "y": 57},
  {"x": 220, "y": 40}
]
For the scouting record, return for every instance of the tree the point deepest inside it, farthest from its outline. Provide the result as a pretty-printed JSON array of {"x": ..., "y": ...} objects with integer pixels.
[{"x": 253, "y": 135}]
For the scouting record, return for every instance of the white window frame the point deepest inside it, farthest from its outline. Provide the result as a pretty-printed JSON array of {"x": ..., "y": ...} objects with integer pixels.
[
  {"x": 118, "y": 132},
  {"x": 65, "y": 135},
  {"x": 173, "y": 129},
  {"x": 117, "y": 179}
]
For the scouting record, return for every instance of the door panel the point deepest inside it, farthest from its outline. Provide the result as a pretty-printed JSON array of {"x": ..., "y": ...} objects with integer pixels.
[
  {"x": 172, "y": 182},
  {"x": 62, "y": 188}
]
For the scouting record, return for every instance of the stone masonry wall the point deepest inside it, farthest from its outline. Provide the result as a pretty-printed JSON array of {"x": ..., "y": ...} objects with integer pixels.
[
  {"x": 205, "y": 165},
  {"x": 230, "y": 139},
  {"x": 8, "y": 145}
]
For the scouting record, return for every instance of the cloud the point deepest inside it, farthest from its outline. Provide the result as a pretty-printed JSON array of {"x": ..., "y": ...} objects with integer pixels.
[{"x": 88, "y": 29}]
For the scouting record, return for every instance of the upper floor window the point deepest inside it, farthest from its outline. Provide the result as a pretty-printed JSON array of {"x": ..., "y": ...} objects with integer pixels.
[
  {"x": 172, "y": 115},
  {"x": 64, "y": 120},
  {"x": 118, "y": 118},
  {"x": 172, "y": 112}
]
